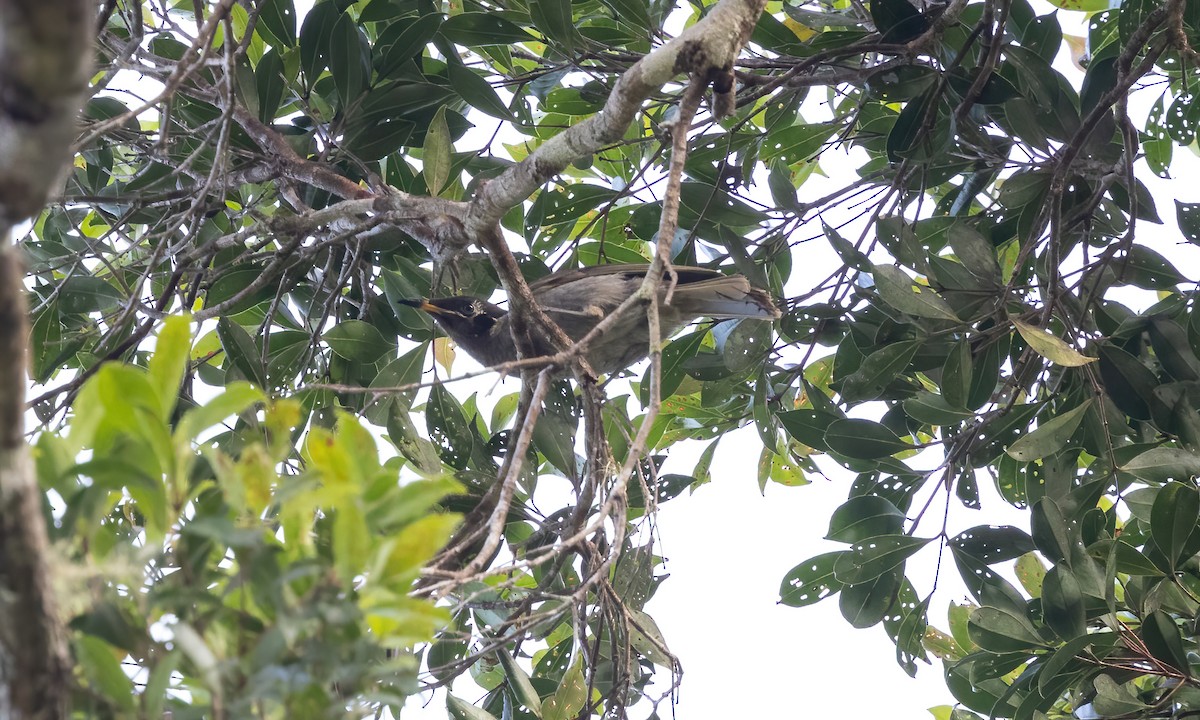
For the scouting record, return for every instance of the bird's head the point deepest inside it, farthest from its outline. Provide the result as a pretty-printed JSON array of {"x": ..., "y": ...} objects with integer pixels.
[{"x": 464, "y": 318}]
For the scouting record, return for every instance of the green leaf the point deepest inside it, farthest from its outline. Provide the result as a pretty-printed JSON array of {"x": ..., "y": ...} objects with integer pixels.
[
  {"x": 476, "y": 29},
  {"x": 864, "y": 517},
  {"x": 878, "y": 370},
  {"x": 1173, "y": 350},
  {"x": 448, "y": 428},
  {"x": 1173, "y": 520},
  {"x": 278, "y": 19},
  {"x": 478, "y": 92},
  {"x": 1161, "y": 464},
  {"x": 931, "y": 409},
  {"x": 169, "y": 362},
  {"x": 897, "y": 20},
  {"x": 1050, "y": 530},
  {"x": 647, "y": 639},
  {"x": 808, "y": 426},
  {"x": 975, "y": 251},
  {"x": 315, "y": 34},
  {"x": 351, "y": 542},
  {"x": 869, "y": 559},
  {"x": 1127, "y": 381},
  {"x": 402, "y": 41},
  {"x": 518, "y": 680},
  {"x": 568, "y": 700},
  {"x": 897, "y": 289},
  {"x": 155, "y": 691},
  {"x": 1113, "y": 699},
  {"x": 1062, "y": 603},
  {"x": 865, "y": 604},
  {"x": 241, "y": 352},
  {"x": 701, "y": 201},
  {"x": 1063, "y": 656},
  {"x": 993, "y": 543},
  {"x": 460, "y": 709},
  {"x": 1001, "y": 630},
  {"x": 1149, "y": 270},
  {"x": 1050, "y": 346},
  {"x": 1049, "y": 437},
  {"x": 348, "y": 60},
  {"x": 1163, "y": 640},
  {"x": 957, "y": 375},
  {"x": 1030, "y": 573},
  {"x": 553, "y": 18},
  {"x": 1187, "y": 215},
  {"x": 811, "y": 581},
  {"x": 101, "y": 665},
  {"x": 435, "y": 155},
  {"x": 86, "y": 293},
  {"x": 863, "y": 439},
  {"x": 359, "y": 341},
  {"x": 234, "y": 399},
  {"x": 270, "y": 85},
  {"x": 795, "y": 143}
]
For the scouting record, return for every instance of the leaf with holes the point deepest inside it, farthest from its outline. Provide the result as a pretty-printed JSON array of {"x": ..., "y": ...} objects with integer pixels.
[
  {"x": 871, "y": 558},
  {"x": 897, "y": 289},
  {"x": 863, "y": 439},
  {"x": 1051, "y": 347},
  {"x": 811, "y": 581},
  {"x": 1049, "y": 437},
  {"x": 864, "y": 517}
]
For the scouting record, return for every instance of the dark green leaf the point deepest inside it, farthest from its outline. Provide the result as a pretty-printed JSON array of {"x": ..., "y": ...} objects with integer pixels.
[
  {"x": 402, "y": 41},
  {"x": 865, "y": 604},
  {"x": 993, "y": 543},
  {"x": 1173, "y": 519},
  {"x": 1062, "y": 603},
  {"x": 897, "y": 20},
  {"x": 864, "y": 517},
  {"x": 900, "y": 291},
  {"x": 1163, "y": 640},
  {"x": 278, "y": 19},
  {"x": 349, "y": 60},
  {"x": 358, "y": 340},
  {"x": 863, "y": 439},
  {"x": 1161, "y": 464},
  {"x": 475, "y": 29},
  {"x": 1049, "y": 437},
  {"x": 477, "y": 91},
  {"x": 877, "y": 371},
  {"x": 869, "y": 559},
  {"x": 1000, "y": 630},
  {"x": 810, "y": 581}
]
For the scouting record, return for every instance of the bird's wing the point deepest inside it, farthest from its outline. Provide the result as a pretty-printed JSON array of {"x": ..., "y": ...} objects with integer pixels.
[
  {"x": 685, "y": 273},
  {"x": 729, "y": 296}
]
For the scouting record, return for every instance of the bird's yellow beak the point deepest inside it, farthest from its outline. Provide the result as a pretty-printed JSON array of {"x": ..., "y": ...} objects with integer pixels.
[{"x": 423, "y": 304}]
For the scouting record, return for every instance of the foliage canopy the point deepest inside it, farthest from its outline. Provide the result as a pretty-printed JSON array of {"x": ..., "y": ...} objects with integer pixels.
[{"x": 287, "y": 177}]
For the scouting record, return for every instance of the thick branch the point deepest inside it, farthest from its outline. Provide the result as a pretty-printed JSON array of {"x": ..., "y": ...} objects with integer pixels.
[
  {"x": 45, "y": 48},
  {"x": 711, "y": 44},
  {"x": 44, "y": 57},
  {"x": 33, "y": 658}
]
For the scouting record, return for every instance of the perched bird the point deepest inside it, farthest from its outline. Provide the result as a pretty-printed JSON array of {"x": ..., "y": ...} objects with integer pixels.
[{"x": 579, "y": 299}]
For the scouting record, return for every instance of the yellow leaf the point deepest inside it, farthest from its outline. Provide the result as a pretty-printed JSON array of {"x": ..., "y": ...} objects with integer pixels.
[
  {"x": 801, "y": 30},
  {"x": 1051, "y": 347},
  {"x": 443, "y": 352}
]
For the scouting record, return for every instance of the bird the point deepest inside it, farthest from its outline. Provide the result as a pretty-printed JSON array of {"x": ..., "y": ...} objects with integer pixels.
[{"x": 578, "y": 299}]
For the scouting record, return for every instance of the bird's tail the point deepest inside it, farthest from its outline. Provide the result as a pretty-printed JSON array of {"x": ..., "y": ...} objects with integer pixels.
[{"x": 731, "y": 296}]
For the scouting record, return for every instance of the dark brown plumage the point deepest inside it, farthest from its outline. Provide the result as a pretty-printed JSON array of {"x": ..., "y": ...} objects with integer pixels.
[{"x": 579, "y": 299}]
